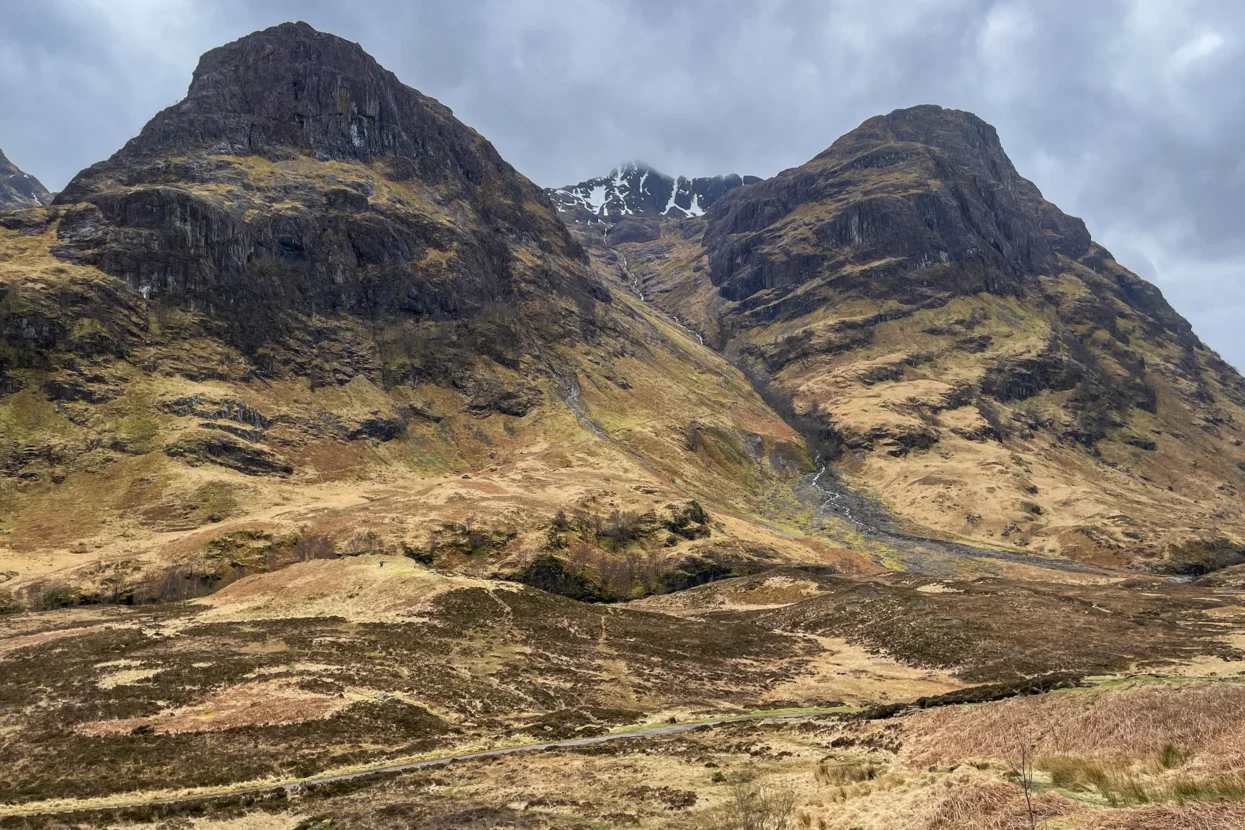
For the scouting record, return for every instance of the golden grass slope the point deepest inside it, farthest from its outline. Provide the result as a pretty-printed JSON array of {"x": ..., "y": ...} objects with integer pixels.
[
  {"x": 1156, "y": 490},
  {"x": 109, "y": 482}
]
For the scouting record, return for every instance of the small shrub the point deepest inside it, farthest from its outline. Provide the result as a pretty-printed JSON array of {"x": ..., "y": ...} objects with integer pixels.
[
  {"x": 756, "y": 807},
  {"x": 831, "y": 771},
  {"x": 560, "y": 522},
  {"x": 53, "y": 596},
  {"x": 580, "y": 554},
  {"x": 365, "y": 541},
  {"x": 314, "y": 546},
  {"x": 621, "y": 528},
  {"x": 1171, "y": 756}
]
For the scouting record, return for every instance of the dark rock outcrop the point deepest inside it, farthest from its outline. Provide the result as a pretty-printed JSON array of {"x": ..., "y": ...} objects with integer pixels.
[
  {"x": 911, "y": 211},
  {"x": 300, "y": 181},
  {"x": 216, "y": 446},
  {"x": 926, "y": 189}
]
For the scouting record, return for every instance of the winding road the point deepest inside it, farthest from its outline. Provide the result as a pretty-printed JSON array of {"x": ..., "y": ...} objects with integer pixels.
[{"x": 292, "y": 785}]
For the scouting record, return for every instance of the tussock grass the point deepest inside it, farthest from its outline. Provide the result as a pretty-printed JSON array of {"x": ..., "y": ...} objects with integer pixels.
[
  {"x": 1171, "y": 756},
  {"x": 1219, "y": 789},
  {"x": 992, "y": 806},
  {"x": 1189, "y": 817},
  {"x": 1161, "y": 725},
  {"x": 850, "y": 771},
  {"x": 1129, "y": 786}
]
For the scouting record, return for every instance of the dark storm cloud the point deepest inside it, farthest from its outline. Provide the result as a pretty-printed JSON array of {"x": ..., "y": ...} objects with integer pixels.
[{"x": 1129, "y": 114}]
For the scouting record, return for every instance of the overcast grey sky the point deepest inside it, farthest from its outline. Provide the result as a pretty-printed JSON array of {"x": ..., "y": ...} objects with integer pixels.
[{"x": 1129, "y": 113}]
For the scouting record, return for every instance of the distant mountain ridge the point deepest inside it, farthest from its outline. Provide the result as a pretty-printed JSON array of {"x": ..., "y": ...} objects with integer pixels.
[
  {"x": 636, "y": 189},
  {"x": 20, "y": 190}
]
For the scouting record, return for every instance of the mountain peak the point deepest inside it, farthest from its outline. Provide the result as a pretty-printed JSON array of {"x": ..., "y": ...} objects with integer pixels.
[
  {"x": 635, "y": 166},
  {"x": 927, "y": 124},
  {"x": 19, "y": 190},
  {"x": 965, "y": 140},
  {"x": 291, "y": 91},
  {"x": 636, "y": 188},
  {"x": 415, "y": 217}
]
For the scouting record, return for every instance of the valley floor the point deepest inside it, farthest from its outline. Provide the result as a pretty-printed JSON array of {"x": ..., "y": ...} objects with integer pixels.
[{"x": 276, "y": 690}]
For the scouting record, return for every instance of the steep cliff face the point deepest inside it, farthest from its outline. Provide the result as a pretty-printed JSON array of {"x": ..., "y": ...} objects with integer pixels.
[
  {"x": 20, "y": 190},
  {"x": 985, "y": 366},
  {"x": 300, "y": 180},
  {"x": 307, "y": 298}
]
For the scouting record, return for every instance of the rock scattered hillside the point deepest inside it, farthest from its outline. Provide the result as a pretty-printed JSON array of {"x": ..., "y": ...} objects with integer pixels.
[
  {"x": 20, "y": 190},
  {"x": 976, "y": 358}
]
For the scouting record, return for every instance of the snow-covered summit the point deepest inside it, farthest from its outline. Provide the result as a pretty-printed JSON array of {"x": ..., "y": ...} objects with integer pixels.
[{"x": 635, "y": 188}]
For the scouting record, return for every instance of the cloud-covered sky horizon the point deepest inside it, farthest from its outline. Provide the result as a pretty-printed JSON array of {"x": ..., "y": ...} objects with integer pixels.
[{"x": 1128, "y": 113}]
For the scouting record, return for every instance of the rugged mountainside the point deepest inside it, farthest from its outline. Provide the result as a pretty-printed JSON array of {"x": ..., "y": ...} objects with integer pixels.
[
  {"x": 637, "y": 190},
  {"x": 982, "y": 364},
  {"x": 308, "y": 294},
  {"x": 18, "y": 189},
  {"x": 307, "y": 271},
  {"x": 314, "y": 183},
  {"x": 334, "y": 467}
]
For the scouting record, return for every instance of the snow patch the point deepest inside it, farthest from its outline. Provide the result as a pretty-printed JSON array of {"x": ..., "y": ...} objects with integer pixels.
[
  {"x": 596, "y": 199},
  {"x": 674, "y": 192},
  {"x": 621, "y": 191}
]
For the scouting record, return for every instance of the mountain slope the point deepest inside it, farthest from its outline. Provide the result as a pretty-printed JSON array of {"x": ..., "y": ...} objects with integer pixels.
[
  {"x": 307, "y": 301},
  {"x": 20, "y": 190},
  {"x": 987, "y": 368},
  {"x": 311, "y": 380},
  {"x": 318, "y": 184}
]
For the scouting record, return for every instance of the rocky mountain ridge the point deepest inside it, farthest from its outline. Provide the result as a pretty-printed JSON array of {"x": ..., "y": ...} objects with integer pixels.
[
  {"x": 416, "y": 226},
  {"x": 20, "y": 190}
]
